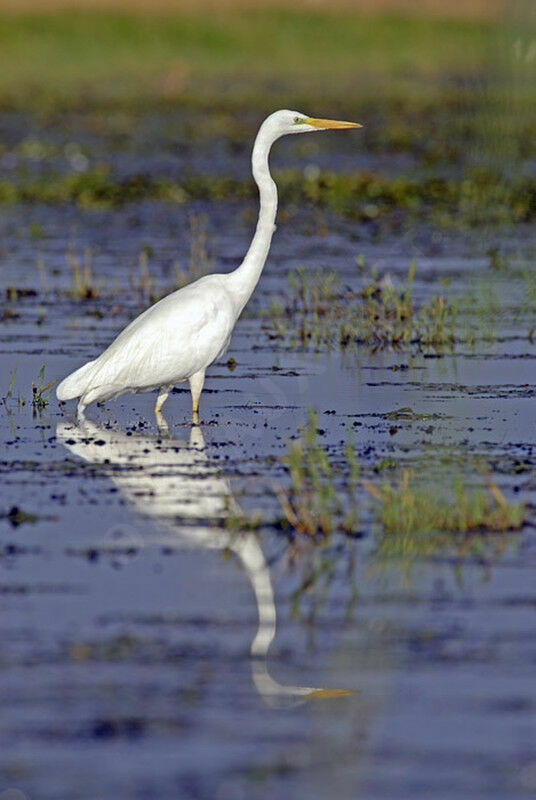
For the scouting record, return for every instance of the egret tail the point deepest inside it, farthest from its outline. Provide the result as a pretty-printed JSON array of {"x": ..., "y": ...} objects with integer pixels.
[{"x": 76, "y": 384}]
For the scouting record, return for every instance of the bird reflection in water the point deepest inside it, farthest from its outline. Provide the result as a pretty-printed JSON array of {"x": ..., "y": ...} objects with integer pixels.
[{"x": 175, "y": 484}]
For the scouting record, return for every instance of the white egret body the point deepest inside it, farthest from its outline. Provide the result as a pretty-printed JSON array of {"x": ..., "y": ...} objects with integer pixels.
[{"x": 177, "y": 338}]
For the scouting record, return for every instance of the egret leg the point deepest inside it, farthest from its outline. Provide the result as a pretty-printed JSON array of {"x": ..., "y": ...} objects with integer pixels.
[
  {"x": 196, "y": 387},
  {"x": 80, "y": 410},
  {"x": 162, "y": 397},
  {"x": 103, "y": 392}
]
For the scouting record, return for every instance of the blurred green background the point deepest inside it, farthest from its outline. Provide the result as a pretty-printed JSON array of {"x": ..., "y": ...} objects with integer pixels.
[
  {"x": 452, "y": 87},
  {"x": 107, "y": 50}
]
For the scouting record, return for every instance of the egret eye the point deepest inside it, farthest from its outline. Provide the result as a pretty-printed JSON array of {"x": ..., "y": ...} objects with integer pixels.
[{"x": 299, "y": 120}]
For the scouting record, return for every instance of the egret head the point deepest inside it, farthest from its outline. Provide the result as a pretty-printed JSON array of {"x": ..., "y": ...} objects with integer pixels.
[{"x": 283, "y": 122}]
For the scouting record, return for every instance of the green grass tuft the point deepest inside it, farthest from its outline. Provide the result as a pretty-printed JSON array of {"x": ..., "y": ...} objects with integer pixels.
[
  {"x": 406, "y": 509},
  {"x": 312, "y": 504},
  {"x": 321, "y": 312}
]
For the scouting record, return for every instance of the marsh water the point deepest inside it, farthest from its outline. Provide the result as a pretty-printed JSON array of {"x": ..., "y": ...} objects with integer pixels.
[{"x": 149, "y": 650}]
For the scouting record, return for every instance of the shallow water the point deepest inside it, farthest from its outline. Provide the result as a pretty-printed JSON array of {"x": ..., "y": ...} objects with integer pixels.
[{"x": 129, "y": 615}]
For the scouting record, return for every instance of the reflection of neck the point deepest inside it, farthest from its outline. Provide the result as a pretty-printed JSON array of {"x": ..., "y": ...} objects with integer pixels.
[{"x": 249, "y": 551}]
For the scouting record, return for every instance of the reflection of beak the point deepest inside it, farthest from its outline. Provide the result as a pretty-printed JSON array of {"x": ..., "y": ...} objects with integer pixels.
[
  {"x": 324, "y": 694},
  {"x": 281, "y": 694},
  {"x": 326, "y": 124}
]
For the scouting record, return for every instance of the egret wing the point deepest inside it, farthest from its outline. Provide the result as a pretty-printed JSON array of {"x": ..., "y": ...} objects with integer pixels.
[{"x": 178, "y": 336}]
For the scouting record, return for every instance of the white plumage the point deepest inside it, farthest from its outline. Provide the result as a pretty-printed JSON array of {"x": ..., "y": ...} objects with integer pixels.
[
  {"x": 172, "y": 341},
  {"x": 180, "y": 336}
]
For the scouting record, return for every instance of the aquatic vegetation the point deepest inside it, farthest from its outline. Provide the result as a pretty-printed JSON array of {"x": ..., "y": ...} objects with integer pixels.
[
  {"x": 408, "y": 413},
  {"x": 14, "y": 293},
  {"x": 413, "y": 519},
  {"x": 201, "y": 260},
  {"x": 17, "y": 516},
  {"x": 99, "y": 189},
  {"x": 497, "y": 260},
  {"x": 141, "y": 282},
  {"x": 41, "y": 391},
  {"x": 312, "y": 504},
  {"x": 479, "y": 195},
  {"x": 321, "y": 312},
  {"x": 408, "y": 508},
  {"x": 82, "y": 283},
  {"x": 485, "y": 309},
  {"x": 36, "y": 230},
  {"x": 476, "y": 197},
  {"x": 9, "y": 394},
  {"x": 385, "y": 463},
  {"x": 94, "y": 188}
]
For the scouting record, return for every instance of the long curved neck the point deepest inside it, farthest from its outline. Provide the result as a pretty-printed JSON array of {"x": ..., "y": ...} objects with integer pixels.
[{"x": 245, "y": 278}]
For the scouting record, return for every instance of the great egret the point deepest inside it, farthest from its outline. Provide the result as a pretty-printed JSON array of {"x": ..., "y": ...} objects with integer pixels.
[{"x": 178, "y": 337}]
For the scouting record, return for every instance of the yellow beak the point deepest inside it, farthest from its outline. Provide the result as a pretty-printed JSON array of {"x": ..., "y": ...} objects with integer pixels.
[{"x": 325, "y": 124}]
